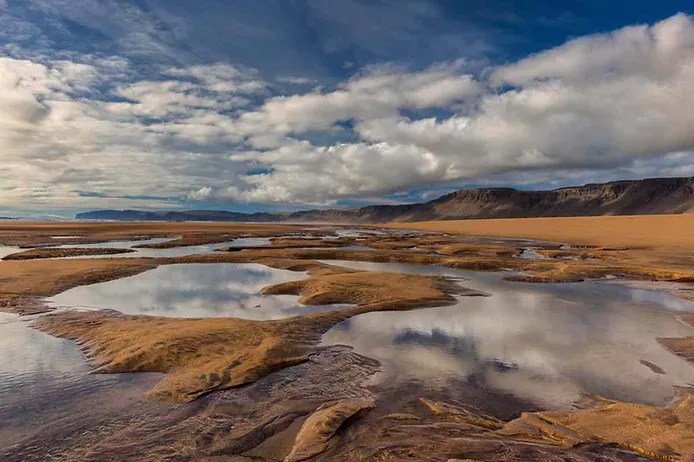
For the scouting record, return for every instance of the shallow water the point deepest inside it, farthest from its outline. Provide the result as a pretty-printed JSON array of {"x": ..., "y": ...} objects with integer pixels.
[
  {"x": 30, "y": 358},
  {"x": 248, "y": 242},
  {"x": 123, "y": 244},
  {"x": 164, "y": 253},
  {"x": 42, "y": 376},
  {"x": 530, "y": 253},
  {"x": 193, "y": 290},
  {"x": 512, "y": 240},
  {"x": 365, "y": 232},
  {"x": 44, "y": 380},
  {"x": 359, "y": 232},
  {"x": 6, "y": 250},
  {"x": 543, "y": 342}
]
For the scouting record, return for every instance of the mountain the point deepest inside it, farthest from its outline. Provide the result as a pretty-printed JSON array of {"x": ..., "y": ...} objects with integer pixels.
[
  {"x": 638, "y": 197},
  {"x": 186, "y": 215}
]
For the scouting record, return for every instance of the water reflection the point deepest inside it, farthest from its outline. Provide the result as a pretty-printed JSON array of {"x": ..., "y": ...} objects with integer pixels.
[
  {"x": 542, "y": 342},
  {"x": 194, "y": 290},
  {"x": 30, "y": 356},
  {"x": 164, "y": 253},
  {"x": 530, "y": 253},
  {"x": 249, "y": 242},
  {"x": 36, "y": 370},
  {"x": 45, "y": 381},
  {"x": 359, "y": 232},
  {"x": 6, "y": 250},
  {"x": 122, "y": 244}
]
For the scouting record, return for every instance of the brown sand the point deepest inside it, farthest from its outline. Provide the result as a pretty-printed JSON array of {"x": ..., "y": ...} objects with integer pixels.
[
  {"x": 322, "y": 425},
  {"x": 651, "y": 263},
  {"x": 662, "y": 433},
  {"x": 205, "y": 355},
  {"x": 200, "y": 356},
  {"x": 26, "y": 233},
  {"x": 48, "y": 277},
  {"x": 262, "y": 421},
  {"x": 631, "y": 231},
  {"x": 36, "y": 254},
  {"x": 22, "y": 282}
]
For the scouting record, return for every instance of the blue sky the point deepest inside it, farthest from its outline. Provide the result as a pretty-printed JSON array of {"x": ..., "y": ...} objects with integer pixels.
[{"x": 288, "y": 104}]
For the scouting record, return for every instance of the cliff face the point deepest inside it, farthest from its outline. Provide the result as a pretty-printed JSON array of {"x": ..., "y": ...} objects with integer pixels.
[
  {"x": 644, "y": 197},
  {"x": 641, "y": 197}
]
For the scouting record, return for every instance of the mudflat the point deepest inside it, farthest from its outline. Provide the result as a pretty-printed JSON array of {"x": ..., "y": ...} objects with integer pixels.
[
  {"x": 630, "y": 231},
  {"x": 265, "y": 390},
  {"x": 28, "y": 233}
]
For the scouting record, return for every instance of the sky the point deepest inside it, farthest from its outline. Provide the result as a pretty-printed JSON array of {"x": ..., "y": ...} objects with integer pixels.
[{"x": 279, "y": 105}]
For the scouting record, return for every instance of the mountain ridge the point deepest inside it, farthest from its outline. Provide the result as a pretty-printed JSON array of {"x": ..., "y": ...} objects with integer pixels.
[{"x": 650, "y": 196}]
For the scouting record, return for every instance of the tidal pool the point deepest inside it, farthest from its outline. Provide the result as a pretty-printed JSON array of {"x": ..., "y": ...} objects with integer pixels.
[
  {"x": 164, "y": 253},
  {"x": 543, "y": 342},
  {"x": 193, "y": 290},
  {"x": 45, "y": 381}
]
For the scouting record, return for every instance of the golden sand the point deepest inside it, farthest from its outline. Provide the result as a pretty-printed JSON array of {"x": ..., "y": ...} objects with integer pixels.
[{"x": 631, "y": 231}]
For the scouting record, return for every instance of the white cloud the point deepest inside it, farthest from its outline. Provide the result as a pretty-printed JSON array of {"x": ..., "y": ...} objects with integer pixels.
[
  {"x": 59, "y": 135},
  {"x": 297, "y": 80},
  {"x": 377, "y": 93},
  {"x": 223, "y": 77},
  {"x": 92, "y": 123},
  {"x": 642, "y": 52},
  {"x": 595, "y": 102}
]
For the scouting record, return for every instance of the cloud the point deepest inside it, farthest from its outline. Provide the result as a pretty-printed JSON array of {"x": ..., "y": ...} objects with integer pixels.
[
  {"x": 59, "y": 134},
  {"x": 223, "y": 77},
  {"x": 378, "y": 92},
  {"x": 69, "y": 121},
  {"x": 297, "y": 80},
  {"x": 595, "y": 102}
]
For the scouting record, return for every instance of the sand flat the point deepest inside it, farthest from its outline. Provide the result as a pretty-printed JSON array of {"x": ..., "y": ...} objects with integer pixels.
[{"x": 638, "y": 230}]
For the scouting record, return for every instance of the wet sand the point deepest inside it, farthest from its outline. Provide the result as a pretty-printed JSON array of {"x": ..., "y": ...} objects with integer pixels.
[
  {"x": 36, "y": 254},
  {"x": 605, "y": 231},
  {"x": 292, "y": 388}
]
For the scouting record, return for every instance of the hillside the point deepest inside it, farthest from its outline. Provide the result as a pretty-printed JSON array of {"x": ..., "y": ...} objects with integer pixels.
[{"x": 639, "y": 197}]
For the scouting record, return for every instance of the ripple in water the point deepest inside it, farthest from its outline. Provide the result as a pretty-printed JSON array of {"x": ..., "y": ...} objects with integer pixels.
[{"x": 42, "y": 377}]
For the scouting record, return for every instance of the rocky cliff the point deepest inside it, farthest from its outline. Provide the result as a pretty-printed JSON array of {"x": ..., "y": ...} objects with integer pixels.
[{"x": 639, "y": 197}]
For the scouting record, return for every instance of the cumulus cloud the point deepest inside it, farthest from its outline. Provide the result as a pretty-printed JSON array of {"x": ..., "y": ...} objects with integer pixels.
[
  {"x": 90, "y": 123},
  {"x": 597, "y": 101},
  {"x": 378, "y": 92}
]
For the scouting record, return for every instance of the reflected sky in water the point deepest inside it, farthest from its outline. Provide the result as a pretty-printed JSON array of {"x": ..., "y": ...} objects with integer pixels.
[
  {"x": 41, "y": 377},
  {"x": 194, "y": 290},
  {"x": 125, "y": 244},
  {"x": 37, "y": 371},
  {"x": 544, "y": 342},
  {"x": 6, "y": 250},
  {"x": 164, "y": 253}
]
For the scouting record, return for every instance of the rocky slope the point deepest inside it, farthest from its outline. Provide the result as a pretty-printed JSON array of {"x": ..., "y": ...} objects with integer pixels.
[{"x": 639, "y": 197}]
